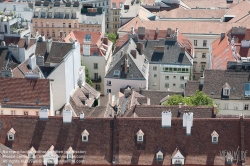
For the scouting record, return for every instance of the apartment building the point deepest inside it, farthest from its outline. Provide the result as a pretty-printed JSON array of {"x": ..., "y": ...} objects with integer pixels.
[
  {"x": 116, "y": 6},
  {"x": 55, "y": 20},
  {"x": 96, "y": 54},
  {"x": 201, "y": 35}
]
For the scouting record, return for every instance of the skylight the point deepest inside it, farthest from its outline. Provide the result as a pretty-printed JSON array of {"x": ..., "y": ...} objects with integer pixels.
[
  {"x": 247, "y": 89},
  {"x": 87, "y": 37},
  {"x": 116, "y": 73}
]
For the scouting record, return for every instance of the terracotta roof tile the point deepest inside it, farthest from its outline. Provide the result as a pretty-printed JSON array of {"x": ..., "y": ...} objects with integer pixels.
[{"x": 25, "y": 92}]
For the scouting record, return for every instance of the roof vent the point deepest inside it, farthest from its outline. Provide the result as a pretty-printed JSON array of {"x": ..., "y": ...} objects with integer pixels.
[{"x": 81, "y": 116}]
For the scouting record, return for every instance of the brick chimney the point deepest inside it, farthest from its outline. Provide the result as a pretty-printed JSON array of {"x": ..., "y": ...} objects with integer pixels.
[
  {"x": 105, "y": 40},
  {"x": 133, "y": 53},
  {"x": 140, "y": 47}
]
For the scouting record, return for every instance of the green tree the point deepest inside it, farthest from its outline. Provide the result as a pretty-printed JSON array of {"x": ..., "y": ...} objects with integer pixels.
[
  {"x": 199, "y": 98},
  {"x": 113, "y": 37},
  {"x": 88, "y": 80},
  {"x": 175, "y": 100}
]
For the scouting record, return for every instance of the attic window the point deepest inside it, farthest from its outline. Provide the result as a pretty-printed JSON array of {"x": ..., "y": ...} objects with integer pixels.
[
  {"x": 87, "y": 37},
  {"x": 31, "y": 153},
  {"x": 11, "y": 134},
  {"x": 85, "y": 136},
  {"x": 116, "y": 73},
  {"x": 229, "y": 158},
  {"x": 6, "y": 99},
  {"x": 140, "y": 135},
  {"x": 247, "y": 89},
  {"x": 226, "y": 92},
  {"x": 159, "y": 156},
  {"x": 70, "y": 153},
  {"x": 215, "y": 137}
]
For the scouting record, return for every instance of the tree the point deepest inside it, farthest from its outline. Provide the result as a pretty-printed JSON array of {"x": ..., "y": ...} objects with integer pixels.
[
  {"x": 113, "y": 37},
  {"x": 199, "y": 98},
  {"x": 88, "y": 80}
]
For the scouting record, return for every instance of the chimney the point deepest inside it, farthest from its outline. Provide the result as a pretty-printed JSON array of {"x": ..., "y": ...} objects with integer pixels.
[
  {"x": 140, "y": 47},
  {"x": 86, "y": 49},
  {"x": 141, "y": 31},
  {"x": 32, "y": 62},
  {"x": 166, "y": 119},
  {"x": 176, "y": 32},
  {"x": 201, "y": 80},
  {"x": 157, "y": 31},
  {"x": 214, "y": 111},
  {"x": 27, "y": 39},
  {"x": 43, "y": 114},
  {"x": 184, "y": 120},
  {"x": 105, "y": 40},
  {"x": 67, "y": 116},
  {"x": 81, "y": 116},
  {"x": 126, "y": 64},
  {"x": 133, "y": 53},
  {"x": 169, "y": 31},
  {"x": 48, "y": 44},
  {"x": 189, "y": 125},
  {"x": 222, "y": 36}
]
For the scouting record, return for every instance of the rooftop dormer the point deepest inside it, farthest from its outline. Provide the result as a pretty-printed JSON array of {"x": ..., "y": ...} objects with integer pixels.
[
  {"x": 177, "y": 157},
  {"x": 70, "y": 153},
  {"x": 140, "y": 135},
  {"x": 226, "y": 89},
  {"x": 11, "y": 133},
  {"x": 32, "y": 153},
  {"x": 159, "y": 156},
  {"x": 229, "y": 158},
  {"x": 215, "y": 137},
  {"x": 50, "y": 157},
  {"x": 85, "y": 136}
]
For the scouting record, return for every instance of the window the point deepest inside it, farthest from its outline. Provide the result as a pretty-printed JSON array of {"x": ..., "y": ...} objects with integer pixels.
[
  {"x": 109, "y": 83},
  {"x": 37, "y": 113},
  {"x": 140, "y": 135},
  {"x": 203, "y": 55},
  {"x": 229, "y": 160},
  {"x": 95, "y": 65},
  {"x": 53, "y": 25},
  {"x": 47, "y": 24},
  {"x": 98, "y": 87},
  {"x": 154, "y": 68},
  {"x": 195, "y": 55},
  {"x": 13, "y": 112},
  {"x": 166, "y": 85},
  {"x": 41, "y": 24},
  {"x": 159, "y": 156},
  {"x": 31, "y": 156},
  {"x": 181, "y": 77},
  {"x": 140, "y": 138},
  {"x": 11, "y": 137},
  {"x": 25, "y": 113},
  {"x": 70, "y": 156},
  {"x": 214, "y": 139},
  {"x": 195, "y": 42},
  {"x": 246, "y": 106},
  {"x": 166, "y": 77},
  {"x": 1, "y": 112},
  {"x": 85, "y": 136},
  {"x": 204, "y": 43},
  {"x": 226, "y": 106},
  {"x": 96, "y": 76},
  {"x": 87, "y": 37},
  {"x": 181, "y": 86},
  {"x": 108, "y": 90},
  {"x": 174, "y": 77},
  {"x": 174, "y": 84},
  {"x": 226, "y": 91},
  {"x": 203, "y": 67},
  {"x": 155, "y": 75},
  {"x": 69, "y": 25}
]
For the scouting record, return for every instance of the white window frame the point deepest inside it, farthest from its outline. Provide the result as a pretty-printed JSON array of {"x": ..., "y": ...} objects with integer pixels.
[
  {"x": 159, "y": 156},
  {"x": 155, "y": 68},
  {"x": 11, "y": 135},
  {"x": 166, "y": 85},
  {"x": 155, "y": 75},
  {"x": 70, "y": 156},
  {"x": 226, "y": 91},
  {"x": 195, "y": 42},
  {"x": 87, "y": 138},
  {"x": 109, "y": 83},
  {"x": 109, "y": 91},
  {"x": 95, "y": 65},
  {"x": 246, "y": 106}
]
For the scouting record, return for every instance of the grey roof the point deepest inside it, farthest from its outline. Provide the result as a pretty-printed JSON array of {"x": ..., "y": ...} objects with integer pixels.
[
  {"x": 172, "y": 52},
  {"x": 215, "y": 79},
  {"x": 136, "y": 64},
  {"x": 91, "y": 18},
  {"x": 191, "y": 87},
  {"x": 6, "y": 59},
  {"x": 155, "y": 111},
  {"x": 156, "y": 96},
  {"x": 57, "y": 52}
]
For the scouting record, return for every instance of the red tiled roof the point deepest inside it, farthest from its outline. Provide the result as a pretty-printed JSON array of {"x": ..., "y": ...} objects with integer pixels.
[
  {"x": 113, "y": 140},
  {"x": 24, "y": 92},
  {"x": 96, "y": 40}
]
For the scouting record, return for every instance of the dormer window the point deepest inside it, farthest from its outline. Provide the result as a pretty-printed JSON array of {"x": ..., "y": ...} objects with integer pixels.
[
  {"x": 215, "y": 137},
  {"x": 159, "y": 156},
  {"x": 177, "y": 157},
  {"x": 70, "y": 153},
  {"x": 140, "y": 135},
  {"x": 31, "y": 153},
  {"x": 229, "y": 158},
  {"x": 226, "y": 89},
  {"x": 85, "y": 136},
  {"x": 11, "y": 134}
]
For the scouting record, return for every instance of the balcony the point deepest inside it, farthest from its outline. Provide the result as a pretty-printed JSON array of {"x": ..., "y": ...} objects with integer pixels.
[{"x": 96, "y": 80}]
